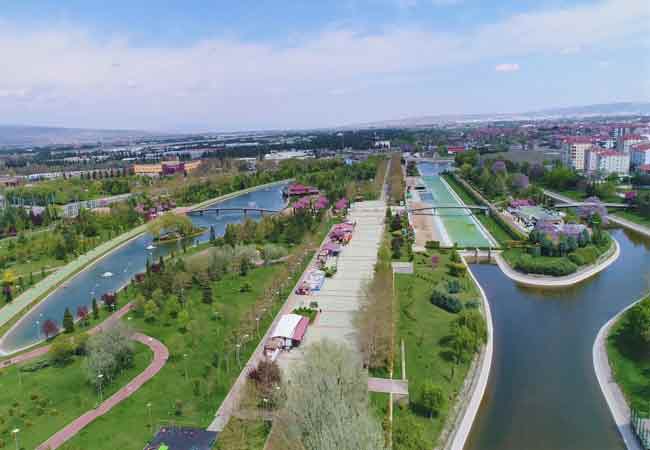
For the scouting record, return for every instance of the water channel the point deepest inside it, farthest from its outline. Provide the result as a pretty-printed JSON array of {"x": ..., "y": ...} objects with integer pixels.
[
  {"x": 543, "y": 393},
  {"x": 123, "y": 264}
]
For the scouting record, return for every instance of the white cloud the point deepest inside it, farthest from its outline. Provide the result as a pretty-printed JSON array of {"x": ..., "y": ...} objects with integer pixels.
[
  {"x": 507, "y": 67},
  {"x": 227, "y": 82}
]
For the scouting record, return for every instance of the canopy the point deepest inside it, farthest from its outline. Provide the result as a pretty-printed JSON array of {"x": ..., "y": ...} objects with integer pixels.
[{"x": 286, "y": 326}]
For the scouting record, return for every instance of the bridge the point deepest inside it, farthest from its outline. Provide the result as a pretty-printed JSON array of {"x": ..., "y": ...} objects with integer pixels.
[
  {"x": 435, "y": 208},
  {"x": 578, "y": 204},
  {"x": 244, "y": 210}
]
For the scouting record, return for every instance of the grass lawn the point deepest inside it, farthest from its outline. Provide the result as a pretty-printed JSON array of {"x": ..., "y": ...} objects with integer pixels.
[
  {"x": 633, "y": 216},
  {"x": 250, "y": 434},
  {"x": 200, "y": 380},
  {"x": 424, "y": 328},
  {"x": 630, "y": 366},
  {"x": 493, "y": 227},
  {"x": 42, "y": 402}
]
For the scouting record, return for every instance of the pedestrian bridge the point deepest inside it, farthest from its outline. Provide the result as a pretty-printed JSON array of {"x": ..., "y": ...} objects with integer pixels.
[
  {"x": 433, "y": 209},
  {"x": 578, "y": 204},
  {"x": 243, "y": 210}
]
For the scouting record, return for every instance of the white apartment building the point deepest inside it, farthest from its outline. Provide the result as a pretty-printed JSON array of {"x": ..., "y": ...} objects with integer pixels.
[
  {"x": 640, "y": 154},
  {"x": 574, "y": 149},
  {"x": 626, "y": 142},
  {"x": 607, "y": 161}
]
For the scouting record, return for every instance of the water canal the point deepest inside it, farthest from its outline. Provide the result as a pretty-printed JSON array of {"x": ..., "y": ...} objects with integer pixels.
[
  {"x": 124, "y": 263},
  {"x": 462, "y": 227},
  {"x": 543, "y": 393}
]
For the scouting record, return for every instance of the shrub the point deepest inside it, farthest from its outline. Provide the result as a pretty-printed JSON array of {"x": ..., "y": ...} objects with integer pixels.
[
  {"x": 245, "y": 287},
  {"x": 453, "y": 286},
  {"x": 585, "y": 255},
  {"x": 544, "y": 266},
  {"x": 457, "y": 269},
  {"x": 445, "y": 301},
  {"x": 306, "y": 312},
  {"x": 432, "y": 245}
]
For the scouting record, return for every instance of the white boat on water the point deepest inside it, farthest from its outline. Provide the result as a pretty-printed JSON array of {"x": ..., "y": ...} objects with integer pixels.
[
  {"x": 151, "y": 247},
  {"x": 107, "y": 274}
]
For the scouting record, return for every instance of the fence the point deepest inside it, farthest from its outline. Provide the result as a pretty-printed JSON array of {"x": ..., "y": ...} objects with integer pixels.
[{"x": 641, "y": 427}]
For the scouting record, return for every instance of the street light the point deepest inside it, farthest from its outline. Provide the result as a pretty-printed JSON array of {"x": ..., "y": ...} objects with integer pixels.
[
  {"x": 237, "y": 346},
  {"x": 101, "y": 395},
  {"x": 15, "y": 432},
  {"x": 150, "y": 419},
  {"x": 257, "y": 319},
  {"x": 185, "y": 364}
]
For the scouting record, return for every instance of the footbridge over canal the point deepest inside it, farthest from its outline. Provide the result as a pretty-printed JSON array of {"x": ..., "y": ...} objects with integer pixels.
[
  {"x": 433, "y": 209},
  {"x": 243, "y": 210}
]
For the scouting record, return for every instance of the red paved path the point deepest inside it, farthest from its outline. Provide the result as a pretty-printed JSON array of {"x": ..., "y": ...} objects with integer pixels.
[
  {"x": 160, "y": 358},
  {"x": 41, "y": 351}
]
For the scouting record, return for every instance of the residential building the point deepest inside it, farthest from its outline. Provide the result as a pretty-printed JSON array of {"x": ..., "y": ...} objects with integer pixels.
[
  {"x": 640, "y": 154},
  {"x": 626, "y": 142},
  {"x": 574, "y": 150},
  {"x": 165, "y": 168},
  {"x": 607, "y": 161},
  {"x": 455, "y": 150}
]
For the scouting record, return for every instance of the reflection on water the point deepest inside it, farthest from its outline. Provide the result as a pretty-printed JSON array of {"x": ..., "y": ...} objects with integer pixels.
[
  {"x": 123, "y": 264},
  {"x": 543, "y": 393}
]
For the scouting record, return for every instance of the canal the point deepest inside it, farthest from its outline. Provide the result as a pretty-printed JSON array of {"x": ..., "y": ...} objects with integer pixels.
[
  {"x": 123, "y": 264},
  {"x": 543, "y": 393}
]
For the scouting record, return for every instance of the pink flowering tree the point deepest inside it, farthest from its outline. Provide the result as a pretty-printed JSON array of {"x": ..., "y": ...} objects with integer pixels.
[
  {"x": 520, "y": 181},
  {"x": 592, "y": 207},
  {"x": 499, "y": 168}
]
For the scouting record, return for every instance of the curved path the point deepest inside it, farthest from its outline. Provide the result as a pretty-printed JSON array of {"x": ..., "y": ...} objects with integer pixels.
[
  {"x": 612, "y": 392},
  {"x": 545, "y": 281},
  {"x": 161, "y": 354},
  {"x": 41, "y": 351},
  {"x": 477, "y": 383}
]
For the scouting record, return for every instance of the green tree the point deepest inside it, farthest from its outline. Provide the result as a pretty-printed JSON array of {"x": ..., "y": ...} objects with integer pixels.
[
  {"x": 639, "y": 322},
  {"x": 183, "y": 320},
  {"x": 95, "y": 309},
  {"x": 61, "y": 351},
  {"x": 432, "y": 398},
  {"x": 173, "y": 306},
  {"x": 151, "y": 311},
  {"x": 68, "y": 321}
]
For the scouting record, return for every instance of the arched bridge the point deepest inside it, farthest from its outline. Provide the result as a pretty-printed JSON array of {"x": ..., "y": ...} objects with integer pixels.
[
  {"x": 243, "y": 210},
  {"x": 435, "y": 208}
]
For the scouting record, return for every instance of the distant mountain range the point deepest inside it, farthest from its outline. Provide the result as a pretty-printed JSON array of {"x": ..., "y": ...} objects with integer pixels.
[
  {"x": 20, "y": 135},
  {"x": 606, "y": 109}
]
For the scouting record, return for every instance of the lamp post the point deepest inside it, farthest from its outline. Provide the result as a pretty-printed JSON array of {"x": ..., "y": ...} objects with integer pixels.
[
  {"x": 185, "y": 365},
  {"x": 15, "y": 432},
  {"x": 238, "y": 346},
  {"x": 150, "y": 418},
  {"x": 257, "y": 320},
  {"x": 100, "y": 378}
]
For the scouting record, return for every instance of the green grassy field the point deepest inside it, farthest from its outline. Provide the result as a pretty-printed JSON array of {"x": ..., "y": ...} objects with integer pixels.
[
  {"x": 630, "y": 365},
  {"x": 194, "y": 380},
  {"x": 424, "y": 328},
  {"x": 42, "y": 402},
  {"x": 493, "y": 227}
]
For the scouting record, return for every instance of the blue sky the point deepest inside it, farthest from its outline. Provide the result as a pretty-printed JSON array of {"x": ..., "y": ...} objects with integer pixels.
[{"x": 216, "y": 65}]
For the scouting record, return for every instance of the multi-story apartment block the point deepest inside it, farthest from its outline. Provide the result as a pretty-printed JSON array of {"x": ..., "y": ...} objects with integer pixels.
[
  {"x": 574, "y": 150},
  {"x": 640, "y": 154},
  {"x": 607, "y": 161},
  {"x": 626, "y": 142}
]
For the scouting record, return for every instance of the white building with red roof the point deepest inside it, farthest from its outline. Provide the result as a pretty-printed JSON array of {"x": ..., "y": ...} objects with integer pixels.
[
  {"x": 625, "y": 143},
  {"x": 607, "y": 161}
]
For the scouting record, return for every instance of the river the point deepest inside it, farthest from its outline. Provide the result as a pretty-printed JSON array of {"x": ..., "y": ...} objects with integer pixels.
[
  {"x": 123, "y": 264},
  {"x": 542, "y": 392}
]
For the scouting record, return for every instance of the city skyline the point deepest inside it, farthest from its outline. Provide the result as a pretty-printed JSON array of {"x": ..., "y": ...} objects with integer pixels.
[{"x": 274, "y": 65}]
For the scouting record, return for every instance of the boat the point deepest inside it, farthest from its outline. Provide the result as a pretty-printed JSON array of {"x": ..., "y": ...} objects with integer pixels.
[
  {"x": 107, "y": 274},
  {"x": 151, "y": 247}
]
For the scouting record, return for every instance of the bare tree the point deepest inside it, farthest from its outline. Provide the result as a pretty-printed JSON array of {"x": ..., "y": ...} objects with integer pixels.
[{"x": 326, "y": 405}]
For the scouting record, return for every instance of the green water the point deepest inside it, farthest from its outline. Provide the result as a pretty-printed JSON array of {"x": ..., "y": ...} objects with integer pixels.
[{"x": 459, "y": 224}]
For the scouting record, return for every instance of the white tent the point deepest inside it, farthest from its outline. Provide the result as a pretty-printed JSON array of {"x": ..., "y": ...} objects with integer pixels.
[{"x": 286, "y": 328}]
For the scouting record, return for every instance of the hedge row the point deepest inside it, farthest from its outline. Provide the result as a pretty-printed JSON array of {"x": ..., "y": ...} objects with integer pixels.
[
  {"x": 544, "y": 266},
  {"x": 585, "y": 255}
]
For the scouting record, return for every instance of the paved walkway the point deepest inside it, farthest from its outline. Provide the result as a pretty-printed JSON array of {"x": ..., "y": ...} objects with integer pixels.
[
  {"x": 41, "y": 351},
  {"x": 545, "y": 281},
  {"x": 388, "y": 386},
  {"x": 612, "y": 392},
  {"x": 161, "y": 354}
]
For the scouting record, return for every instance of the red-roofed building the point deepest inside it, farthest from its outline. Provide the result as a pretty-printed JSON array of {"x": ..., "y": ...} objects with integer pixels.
[
  {"x": 455, "y": 150},
  {"x": 625, "y": 143},
  {"x": 607, "y": 161},
  {"x": 300, "y": 190},
  {"x": 645, "y": 168}
]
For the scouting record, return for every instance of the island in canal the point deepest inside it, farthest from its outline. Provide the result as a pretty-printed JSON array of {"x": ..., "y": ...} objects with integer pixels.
[{"x": 171, "y": 227}]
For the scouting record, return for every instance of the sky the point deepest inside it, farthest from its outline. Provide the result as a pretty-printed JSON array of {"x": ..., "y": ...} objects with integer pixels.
[{"x": 199, "y": 65}]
